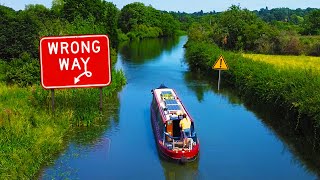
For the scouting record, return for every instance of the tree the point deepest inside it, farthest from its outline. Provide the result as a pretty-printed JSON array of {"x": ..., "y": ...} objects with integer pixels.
[
  {"x": 168, "y": 24},
  {"x": 132, "y": 15},
  {"x": 237, "y": 23},
  {"x": 85, "y": 8},
  {"x": 312, "y": 23},
  {"x": 18, "y": 34},
  {"x": 138, "y": 21},
  {"x": 109, "y": 21}
]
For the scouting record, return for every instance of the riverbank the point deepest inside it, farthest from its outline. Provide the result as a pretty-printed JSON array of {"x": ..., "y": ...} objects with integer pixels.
[
  {"x": 30, "y": 135},
  {"x": 292, "y": 91}
]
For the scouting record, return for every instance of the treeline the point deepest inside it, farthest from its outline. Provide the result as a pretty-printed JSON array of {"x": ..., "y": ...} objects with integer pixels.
[
  {"x": 243, "y": 30},
  {"x": 20, "y": 31},
  {"x": 139, "y": 21}
]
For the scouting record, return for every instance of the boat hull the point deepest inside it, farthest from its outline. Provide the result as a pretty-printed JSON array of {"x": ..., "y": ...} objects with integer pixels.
[{"x": 180, "y": 156}]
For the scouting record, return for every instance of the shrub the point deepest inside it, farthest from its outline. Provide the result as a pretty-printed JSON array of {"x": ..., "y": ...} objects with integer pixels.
[
  {"x": 290, "y": 45},
  {"x": 23, "y": 71},
  {"x": 2, "y": 70},
  {"x": 292, "y": 90},
  {"x": 315, "y": 50}
]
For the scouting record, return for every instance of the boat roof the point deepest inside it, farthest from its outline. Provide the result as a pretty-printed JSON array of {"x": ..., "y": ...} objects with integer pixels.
[{"x": 170, "y": 104}]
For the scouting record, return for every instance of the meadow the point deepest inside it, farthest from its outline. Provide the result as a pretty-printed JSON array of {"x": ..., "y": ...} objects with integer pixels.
[
  {"x": 282, "y": 61},
  {"x": 294, "y": 92}
]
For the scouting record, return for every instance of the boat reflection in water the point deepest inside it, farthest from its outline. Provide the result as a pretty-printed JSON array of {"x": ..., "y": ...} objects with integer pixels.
[{"x": 178, "y": 171}]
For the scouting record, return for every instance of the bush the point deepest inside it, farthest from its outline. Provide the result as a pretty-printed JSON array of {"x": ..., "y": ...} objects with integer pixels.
[
  {"x": 292, "y": 90},
  {"x": 200, "y": 55},
  {"x": 315, "y": 50},
  {"x": 2, "y": 70},
  {"x": 143, "y": 31},
  {"x": 23, "y": 71},
  {"x": 290, "y": 44},
  {"x": 122, "y": 37}
]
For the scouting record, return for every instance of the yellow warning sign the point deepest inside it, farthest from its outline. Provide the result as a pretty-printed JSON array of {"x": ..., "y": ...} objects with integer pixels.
[{"x": 220, "y": 64}]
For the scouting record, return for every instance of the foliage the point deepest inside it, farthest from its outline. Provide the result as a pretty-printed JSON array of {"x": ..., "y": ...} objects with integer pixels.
[
  {"x": 20, "y": 29},
  {"x": 139, "y": 21},
  {"x": 103, "y": 13},
  {"x": 241, "y": 30},
  {"x": 23, "y": 71},
  {"x": 312, "y": 23},
  {"x": 289, "y": 89},
  {"x": 30, "y": 135},
  {"x": 2, "y": 70},
  {"x": 84, "y": 26}
]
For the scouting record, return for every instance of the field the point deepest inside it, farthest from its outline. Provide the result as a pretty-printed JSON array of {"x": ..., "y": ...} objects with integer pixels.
[
  {"x": 281, "y": 61},
  {"x": 293, "y": 90}
]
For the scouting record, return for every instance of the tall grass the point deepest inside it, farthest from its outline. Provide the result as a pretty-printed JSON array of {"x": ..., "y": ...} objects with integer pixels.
[
  {"x": 2, "y": 71},
  {"x": 291, "y": 90},
  {"x": 30, "y": 134},
  {"x": 281, "y": 61}
]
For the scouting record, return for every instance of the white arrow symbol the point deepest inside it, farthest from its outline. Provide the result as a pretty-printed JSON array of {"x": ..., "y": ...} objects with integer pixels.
[{"x": 87, "y": 73}]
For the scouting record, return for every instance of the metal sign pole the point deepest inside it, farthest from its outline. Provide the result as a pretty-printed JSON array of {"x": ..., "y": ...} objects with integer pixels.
[
  {"x": 220, "y": 65},
  {"x": 52, "y": 99},
  {"x": 219, "y": 80},
  {"x": 100, "y": 98}
]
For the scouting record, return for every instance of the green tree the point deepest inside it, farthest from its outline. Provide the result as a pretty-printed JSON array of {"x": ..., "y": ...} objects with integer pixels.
[
  {"x": 312, "y": 23},
  {"x": 132, "y": 15},
  {"x": 168, "y": 24},
  {"x": 105, "y": 14},
  {"x": 243, "y": 27},
  {"x": 109, "y": 21},
  {"x": 18, "y": 34}
]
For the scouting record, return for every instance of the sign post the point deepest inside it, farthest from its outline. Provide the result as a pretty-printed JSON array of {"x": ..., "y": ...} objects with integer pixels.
[
  {"x": 75, "y": 62},
  {"x": 100, "y": 98},
  {"x": 219, "y": 79},
  {"x": 220, "y": 64},
  {"x": 52, "y": 99}
]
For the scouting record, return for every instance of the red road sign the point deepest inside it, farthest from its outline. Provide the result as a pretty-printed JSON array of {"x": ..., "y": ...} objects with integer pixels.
[{"x": 75, "y": 61}]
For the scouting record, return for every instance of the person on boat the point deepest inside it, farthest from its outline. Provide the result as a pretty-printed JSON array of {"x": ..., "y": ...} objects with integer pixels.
[{"x": 185, "y": 125}]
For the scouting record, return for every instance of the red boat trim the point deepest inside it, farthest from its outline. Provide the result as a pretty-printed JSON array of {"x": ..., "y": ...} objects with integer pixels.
[{"x": 172, "y": 154}]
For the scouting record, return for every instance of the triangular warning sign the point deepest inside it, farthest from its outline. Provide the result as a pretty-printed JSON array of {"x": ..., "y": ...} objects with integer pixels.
[{"x": 220, "y": 64}]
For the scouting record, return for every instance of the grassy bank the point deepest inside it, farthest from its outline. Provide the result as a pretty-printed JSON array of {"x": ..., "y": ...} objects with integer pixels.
[
  {"x": 291, "y": 90},
  {"x": 30, "y": 135}
]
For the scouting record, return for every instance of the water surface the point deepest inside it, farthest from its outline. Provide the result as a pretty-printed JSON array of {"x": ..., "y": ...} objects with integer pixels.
[{"x": 235, "y": 141}]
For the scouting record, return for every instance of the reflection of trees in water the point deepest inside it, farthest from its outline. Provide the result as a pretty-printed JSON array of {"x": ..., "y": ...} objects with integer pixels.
[
  {"x": 110, "y": 115},
  {"x": 84, "y": 139},
  {"x": 201, "y": 84},
  {"x": 300, "y": 136},
  {"x": 140, "y": 51},
  {"x": 177, "y": 171}
]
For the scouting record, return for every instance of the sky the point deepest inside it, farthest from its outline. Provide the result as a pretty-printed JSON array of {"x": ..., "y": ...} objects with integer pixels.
[{"x": 189, "y": 5}]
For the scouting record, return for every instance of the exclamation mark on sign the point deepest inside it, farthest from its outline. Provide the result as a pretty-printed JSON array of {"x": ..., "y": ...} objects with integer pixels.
[{"x": 220, "y": 62}]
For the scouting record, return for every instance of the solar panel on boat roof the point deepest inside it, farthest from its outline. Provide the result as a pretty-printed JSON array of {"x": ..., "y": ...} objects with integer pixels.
[
  {"x": 170, "y": 101},
  {"x": 166, "y": 92},
  {"x": 167, "y": 95},
  {"x": 173, "y": 107}
]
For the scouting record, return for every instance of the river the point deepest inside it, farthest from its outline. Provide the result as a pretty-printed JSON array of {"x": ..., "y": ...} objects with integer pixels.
[{"x": 236, "y": 140}]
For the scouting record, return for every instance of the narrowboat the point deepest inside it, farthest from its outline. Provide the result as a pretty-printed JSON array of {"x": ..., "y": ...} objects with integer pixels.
[{"x": 167, "y": 111}]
